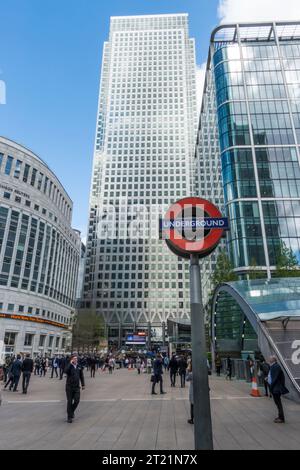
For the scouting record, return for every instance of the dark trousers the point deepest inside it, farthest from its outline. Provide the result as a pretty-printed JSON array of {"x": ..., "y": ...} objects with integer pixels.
[
  {"x": 277, "y": 400},
  {"x": 26, "y": 380},
  {"x": 192, "y": 411},
  {"x": 158, "y": 379},
  {"x": 93, "y": 370},
  {"x": 9, "y": 381},
  {"x": 61, "y": 373},
  {"x": 267, "y": 388},
  {"x": 173, "y": 377},
  {"x": 15, "y": 383},
  {"x": 54, "y": 369},
  {"x": 182, "y": 374},
  {"x": 218, "y": 370},
  {"x": 73, "y": 399}
]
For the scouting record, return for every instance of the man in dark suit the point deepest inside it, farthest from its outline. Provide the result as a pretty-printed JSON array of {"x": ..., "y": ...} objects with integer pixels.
[
  {"x": 74, "y": 373},
  {"x": 182, "y": 366},
  {"x": 16, "y": 370},
  {"x": 93, "y": 366},
  {"x": 62, "y": 366},
  {"x": 157, "y": 374},
  {"x": 173, "y": 368},
  {"x": 276, "y": 381},
  {"x": 27, "y": 369}
]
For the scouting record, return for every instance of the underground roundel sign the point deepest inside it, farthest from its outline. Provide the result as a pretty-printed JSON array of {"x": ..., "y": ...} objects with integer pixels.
[{"x": 193, "y": 226}]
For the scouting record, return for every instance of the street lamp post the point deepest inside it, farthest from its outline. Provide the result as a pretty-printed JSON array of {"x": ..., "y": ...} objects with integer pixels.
[
  {"x": 202, "y": 413},
  {"x": 203, "y": 220}
]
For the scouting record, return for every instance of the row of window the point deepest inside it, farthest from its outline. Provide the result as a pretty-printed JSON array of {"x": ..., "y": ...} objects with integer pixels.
[
  {"x": 21, "y": 309},
  {"x": 28, "y": 204},
  {"x": 259, "y": 51},
  {"x": 278, "y": 173},
  {"x": 245, "y": 236},
  {"x": 39, "y": 259},
  {"x": 10, "y": 341},
  {"x": 175, "y": 304},
  {"x": 24, "y": 172}
]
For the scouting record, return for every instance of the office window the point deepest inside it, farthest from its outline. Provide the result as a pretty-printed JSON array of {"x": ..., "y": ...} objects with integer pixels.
[
  {"x": 18, "y": 169},
  {"x": 42, "y": 341},
  {"x": 10, "y": 338},
  {"x": 8, "y": 165},
  {"x": 28, "y": 339},
  {"x": 26, "y": 173},
  {"x": 33, "y": 176}
]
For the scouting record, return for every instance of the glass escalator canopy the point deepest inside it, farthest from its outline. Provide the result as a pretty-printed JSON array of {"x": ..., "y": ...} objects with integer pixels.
[{"x": 273, "y": 299}]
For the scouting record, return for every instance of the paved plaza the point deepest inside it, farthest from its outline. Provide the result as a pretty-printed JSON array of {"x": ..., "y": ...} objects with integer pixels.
[{"x": 118, "y": 412}]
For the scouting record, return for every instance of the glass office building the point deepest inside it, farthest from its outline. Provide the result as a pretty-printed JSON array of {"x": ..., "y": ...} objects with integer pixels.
[
  {"x": 207, "y": 172},
  {"x": 254, "y": 70},
  {"x": 145, "y": 140}
]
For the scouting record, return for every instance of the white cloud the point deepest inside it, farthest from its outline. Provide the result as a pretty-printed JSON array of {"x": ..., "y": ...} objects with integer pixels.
[
  {"x": 230, "y": 11},
  {"x": 200, "y": 79}
]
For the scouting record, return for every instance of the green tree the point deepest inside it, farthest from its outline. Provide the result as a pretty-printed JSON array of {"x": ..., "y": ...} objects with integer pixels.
[
  {"x": 254, "y": 273},
  {"x": 224, "y": 270},
  {"x": 286, "y": 262},
  {"x": 88, "y": 330}
]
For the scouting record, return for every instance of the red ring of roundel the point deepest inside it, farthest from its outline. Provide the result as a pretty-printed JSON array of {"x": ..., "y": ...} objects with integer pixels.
[{"x": 210, "y": 241}]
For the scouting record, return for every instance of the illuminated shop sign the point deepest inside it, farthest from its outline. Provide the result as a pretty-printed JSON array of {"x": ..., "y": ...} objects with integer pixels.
[{"x": 31, "y": 319}]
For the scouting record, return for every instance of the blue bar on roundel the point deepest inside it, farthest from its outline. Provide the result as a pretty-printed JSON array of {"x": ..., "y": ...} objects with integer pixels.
[{"x": 206, "y": 223}]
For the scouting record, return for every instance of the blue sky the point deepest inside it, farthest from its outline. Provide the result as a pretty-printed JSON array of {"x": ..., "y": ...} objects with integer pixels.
[{"x": 50, "y": 58}]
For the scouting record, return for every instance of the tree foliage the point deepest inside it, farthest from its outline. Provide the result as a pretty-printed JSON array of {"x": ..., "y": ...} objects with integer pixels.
[
  {"x": 88, "y": 329},
  {"x": 224, "y": 270},
  {"x": 286, "y": 262},
  {"x": 254, "y": 273}
]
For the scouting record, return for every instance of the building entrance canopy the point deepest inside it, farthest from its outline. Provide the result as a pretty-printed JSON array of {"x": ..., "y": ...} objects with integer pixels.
[
  {"x": 262, "y": 315},
  {"x": 273, "y": 299}
]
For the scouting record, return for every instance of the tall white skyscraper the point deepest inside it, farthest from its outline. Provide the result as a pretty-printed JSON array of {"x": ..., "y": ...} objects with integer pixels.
[{"x": 145, "y": 145}]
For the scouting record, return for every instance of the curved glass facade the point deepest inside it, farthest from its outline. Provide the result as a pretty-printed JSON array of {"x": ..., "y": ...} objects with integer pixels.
[
  {"x": 257, "y": 88},
  {"x": 267, "y": 301},
  {"x": 277, "y": 298},
  {"x": 260, "y": 316},
  {"x": 232, "y": 329}
]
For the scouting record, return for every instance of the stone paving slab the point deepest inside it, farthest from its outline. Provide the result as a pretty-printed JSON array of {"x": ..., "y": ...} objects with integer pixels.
[{"x": 117, "y": 412}]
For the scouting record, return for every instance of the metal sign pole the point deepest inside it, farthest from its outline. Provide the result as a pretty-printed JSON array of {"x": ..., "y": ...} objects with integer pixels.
[{"x": 202, "y": 414}]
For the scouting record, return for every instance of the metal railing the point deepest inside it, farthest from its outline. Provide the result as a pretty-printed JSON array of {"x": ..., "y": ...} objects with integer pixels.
[{"x": 241, "y": 370}]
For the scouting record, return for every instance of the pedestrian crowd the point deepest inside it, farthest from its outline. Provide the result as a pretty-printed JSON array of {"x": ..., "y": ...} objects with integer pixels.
[{"x": 178, "y": 366}]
